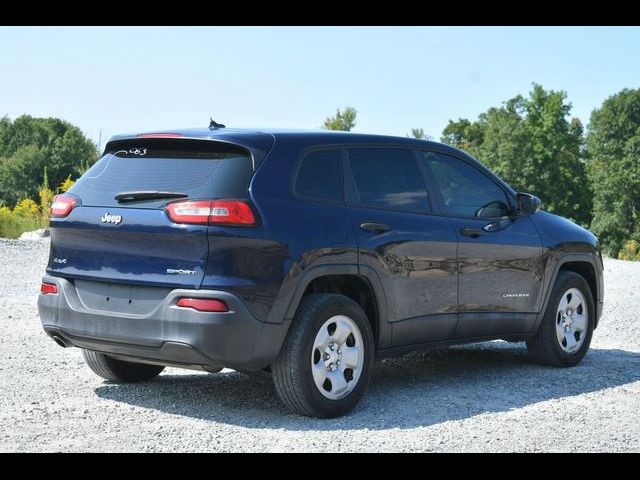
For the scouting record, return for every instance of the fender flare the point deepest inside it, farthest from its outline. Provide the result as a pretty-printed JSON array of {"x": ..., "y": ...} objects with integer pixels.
[
  {"x": 366, "y": 273},
  {"x": 565, "y": 258}
]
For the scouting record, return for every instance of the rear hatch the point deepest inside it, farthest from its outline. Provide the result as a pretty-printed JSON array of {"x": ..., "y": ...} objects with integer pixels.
[{"x": 119, "y": 229}]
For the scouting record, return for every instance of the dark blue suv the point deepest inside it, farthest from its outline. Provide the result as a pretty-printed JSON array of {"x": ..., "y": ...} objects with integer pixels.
[{"x": 306, "y": 255}]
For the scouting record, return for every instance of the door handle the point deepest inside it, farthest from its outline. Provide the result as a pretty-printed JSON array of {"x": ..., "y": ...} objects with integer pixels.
[
  {"x": 374, "y": 227},
  {"x": 471, "y": 232},
  {"x": 492, "y": 227}
]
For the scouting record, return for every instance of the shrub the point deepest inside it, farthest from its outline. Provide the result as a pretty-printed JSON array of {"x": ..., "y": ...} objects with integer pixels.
[
  {"x": 5, "y": 218},
  {"x": 25, "y": 217},
  {"x": 66, "y": 184},
  {"x": 630, "y": 251},
  {"x": 28, "y": 215},
  {"x": 27, "y": 209},
  {"x": 46, "y": 199}
]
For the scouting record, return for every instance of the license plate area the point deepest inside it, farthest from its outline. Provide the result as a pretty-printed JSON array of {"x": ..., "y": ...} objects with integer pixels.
[{"x": 118, "y": 298}]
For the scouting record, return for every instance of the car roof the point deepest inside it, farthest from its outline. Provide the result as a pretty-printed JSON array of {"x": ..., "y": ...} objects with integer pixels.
[{"x": 318, "y": 136}]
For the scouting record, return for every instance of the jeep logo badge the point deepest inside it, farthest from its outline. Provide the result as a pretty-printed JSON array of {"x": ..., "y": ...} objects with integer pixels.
[{"x": 108, "y": 218}]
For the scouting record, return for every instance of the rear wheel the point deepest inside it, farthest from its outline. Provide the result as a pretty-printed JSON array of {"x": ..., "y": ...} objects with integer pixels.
[
  {"x": 325, "y": 363},
  {"x": 120, "y": 371},
  {"x": 564, "y": 335}
]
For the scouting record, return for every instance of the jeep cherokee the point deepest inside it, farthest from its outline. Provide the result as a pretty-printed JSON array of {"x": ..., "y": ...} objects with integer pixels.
[{"x": 306, "y": 255}]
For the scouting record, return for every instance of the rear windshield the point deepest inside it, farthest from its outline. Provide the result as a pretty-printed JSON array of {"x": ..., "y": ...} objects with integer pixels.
[{"x": 198, "y": 169}]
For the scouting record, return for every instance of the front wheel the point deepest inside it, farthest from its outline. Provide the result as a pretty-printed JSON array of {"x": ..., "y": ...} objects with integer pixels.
[
  {"x": 325, "y": 363},
  {"x": 564, "y": 335}
]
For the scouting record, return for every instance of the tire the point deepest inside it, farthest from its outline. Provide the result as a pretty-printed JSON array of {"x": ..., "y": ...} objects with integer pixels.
[
  {"x": 547, "y": 347},
  {"x": 120, "y": 371},
  {"x": 298, "y": 381}
]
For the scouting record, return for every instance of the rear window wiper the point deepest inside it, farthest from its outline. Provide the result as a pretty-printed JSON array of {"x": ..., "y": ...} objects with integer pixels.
[{"x": 146, "y": 195}]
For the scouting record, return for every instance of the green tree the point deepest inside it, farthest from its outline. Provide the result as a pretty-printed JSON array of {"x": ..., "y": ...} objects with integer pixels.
[
  {"x": 343, "y": 120},
  {"x": 420, "y": 134},
  {"x": 613, "y": 152},
  {"x": 532, "y": 144},
  {"x": 17, "y": 173},
  {"x": 464, "y": 134},
  {"x": 28, "y": 145}
]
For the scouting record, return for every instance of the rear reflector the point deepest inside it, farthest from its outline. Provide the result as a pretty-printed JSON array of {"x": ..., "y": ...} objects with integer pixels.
[
  {"x": 203, "y": 304},
  {"x": 212, "y": 212},
  {"x": 46, "y": 288},
  {"x": 62, "y": 205}
]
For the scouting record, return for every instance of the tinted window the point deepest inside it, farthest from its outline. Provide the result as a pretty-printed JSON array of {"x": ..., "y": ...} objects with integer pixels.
[
  {"x": 214, "y": 172},
  {"x": 465, "y": 190},
  {"x": 388, "y": 178},
  {"x": 320, "y": 176}
]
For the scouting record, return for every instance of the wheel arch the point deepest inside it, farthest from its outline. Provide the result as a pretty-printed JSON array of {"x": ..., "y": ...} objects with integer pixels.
[
  {"x": 359, "y": 283},
  {"x": 587, "y": 271},
  {"x": 584, "y": 265}
]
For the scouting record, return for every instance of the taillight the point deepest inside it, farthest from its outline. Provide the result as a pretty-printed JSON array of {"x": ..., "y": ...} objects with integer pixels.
[
  {"x": 231, "y": 212},
  {"x": 212, "y": 212},
  {"x": 46, "y": 288},
  {"x": 62, "y": 205},
  {"x": 203, "y": 304},
  {"x": 190, "y": 212}
]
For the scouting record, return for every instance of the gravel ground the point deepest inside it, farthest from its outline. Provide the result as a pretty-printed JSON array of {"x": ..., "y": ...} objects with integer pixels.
[{"x": 481, "y": 398}]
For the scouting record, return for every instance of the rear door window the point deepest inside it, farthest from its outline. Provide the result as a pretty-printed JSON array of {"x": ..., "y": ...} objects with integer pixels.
[
  {"x": 201, "y": 170},
  {"x": 388, "y": 178},
  {"x": 320, "y": 176}
]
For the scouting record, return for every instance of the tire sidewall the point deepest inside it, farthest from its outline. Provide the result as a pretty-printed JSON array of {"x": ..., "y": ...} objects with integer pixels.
[{"x": 340, "y": 306}]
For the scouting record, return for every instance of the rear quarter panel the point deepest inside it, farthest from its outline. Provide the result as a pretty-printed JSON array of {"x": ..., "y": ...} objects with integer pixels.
[{"x": 306, "y": 234}]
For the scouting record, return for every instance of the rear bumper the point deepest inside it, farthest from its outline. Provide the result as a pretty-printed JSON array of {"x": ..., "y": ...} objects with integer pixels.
[{"x": 168, "y": 334}]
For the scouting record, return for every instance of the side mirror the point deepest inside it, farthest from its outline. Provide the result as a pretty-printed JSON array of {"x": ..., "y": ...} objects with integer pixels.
[{"x": 527, "y": 204}]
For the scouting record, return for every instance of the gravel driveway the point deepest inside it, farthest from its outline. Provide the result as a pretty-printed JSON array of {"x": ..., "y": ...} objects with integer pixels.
[{"x": 481, "y": 398}]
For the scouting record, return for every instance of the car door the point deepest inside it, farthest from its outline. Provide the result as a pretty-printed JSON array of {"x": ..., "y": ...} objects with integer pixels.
[
  {"x": 499, "y": 254},
  {"x": 412, "y": 251}
]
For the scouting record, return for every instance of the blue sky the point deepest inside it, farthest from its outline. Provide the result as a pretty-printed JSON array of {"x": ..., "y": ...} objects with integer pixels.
[{"x": 130, "y": 79}]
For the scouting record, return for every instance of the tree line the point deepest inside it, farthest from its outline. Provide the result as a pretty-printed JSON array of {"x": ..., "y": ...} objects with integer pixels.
[
  {"x": 591, "y": 176},
  {"x": 32, "y": 149}
]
